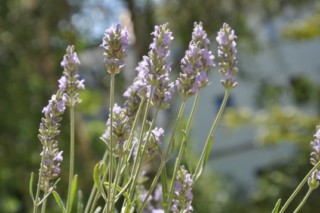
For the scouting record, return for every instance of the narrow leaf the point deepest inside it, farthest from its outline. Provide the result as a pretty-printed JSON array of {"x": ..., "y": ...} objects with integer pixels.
[
  {"x": 31, "y": 186},
  {"x": 164, "y": 183},
  {"x": 276, "y": 207},
  {"x": 80, "y": 202},
  {"x": 98, "y": 171},
  {"x": 208, "y": 152},
  {"x": 73, "y": 191},
  {"x": 59, "y": 201}
]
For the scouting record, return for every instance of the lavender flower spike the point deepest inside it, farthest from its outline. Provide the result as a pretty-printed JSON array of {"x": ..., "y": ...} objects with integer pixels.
[
  {"x": 115, "y": 44},
  {"x": 315, "y": 154},
  {"x": 195, "y": 64},
  {"x": 121, "y": 130},
  {"x": 70, "y": 82},
  {"x": 227, "y": 55},
  {"x": 154, "y": 69},
  {"x": 183, "y": 192},
  {"x": 154, "y": 142},
  {"x": 48, "y": 130}
]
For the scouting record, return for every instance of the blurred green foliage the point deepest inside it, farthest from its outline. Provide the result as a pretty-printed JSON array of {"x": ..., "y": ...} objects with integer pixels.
[
  {"x": 307, "y": 28},
  {"x": 32, "y": 40}
]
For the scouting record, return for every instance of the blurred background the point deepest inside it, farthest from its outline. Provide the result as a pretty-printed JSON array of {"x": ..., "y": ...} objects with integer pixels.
[{"x": 261, "y": 149}]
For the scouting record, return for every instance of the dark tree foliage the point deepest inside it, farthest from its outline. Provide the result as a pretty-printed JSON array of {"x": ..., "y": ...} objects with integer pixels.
[{"x": 33, "y": 36}]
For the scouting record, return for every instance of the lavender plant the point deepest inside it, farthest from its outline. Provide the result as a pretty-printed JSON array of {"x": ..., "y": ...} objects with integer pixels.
[
  {"x": 132, "y": 138},
  {"x": 66, "y": 96},
  {"x": 312, "y": 178}
]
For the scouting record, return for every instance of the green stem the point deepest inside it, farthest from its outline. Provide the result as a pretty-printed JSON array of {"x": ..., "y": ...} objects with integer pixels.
[
  {"x": 296, "y": 191},
  {"x": 135, "y": 122},
  {"x": 35, "y": 204},
  {"x": 142, "y": 154},
  {"x": 110, "y": 204},
  {"x": 71, "y": 165},
  {"x": 170, "y": 145},
  {"x": 144, "y": 120},
  {"x": 93, "y": 196},
  {"x": 44, "y": 205},
  {"x": 166, "y": 156},
  {"x": 116, "y": 179},
  {"x": 181, "y": 151},
  {"x": 304, "y": 200},
  {"x": 208, "y": 143}
]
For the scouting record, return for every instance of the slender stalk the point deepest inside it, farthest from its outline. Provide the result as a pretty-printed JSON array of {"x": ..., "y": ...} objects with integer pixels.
[
  {"x": 296, "y": 191},
  {"x": 93, "y": 196},
  {"x": 181, "y": 151},
  {"x": 210, "y": 136},
  {"x": 71, "y": 164},
  {"x": 91, "y": 199},
  {"x": 116, "y": 179},
  {"x": 35, "y": 204},
  {"x": 44, "y": 205},
  {"x": 135, "y": 122},
  {"x": 303, "y": 200},
  {"x": 110, "y": 202},
  {"x": 138, "y": 166},
  {"x": 166, "y": 156},
  {"x": 139, "y": 145},
  {"x": 170, "y": 145}
]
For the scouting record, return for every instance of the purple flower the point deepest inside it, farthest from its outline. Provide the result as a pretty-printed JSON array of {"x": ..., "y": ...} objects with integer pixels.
[
  {"x": 200, "y": 36},
  {"x": 227, "y": 54},
  {"x": 80, "y": 84},
  {"x": 182, "y": 192},
  {"x": 315, "y": 144},
  {"x": 314, "y": 179},
  {"x": 48, "y": 130},
  {"x": 158, "y": 134},
  {"x": 154, "y": 69},
  {"x": 152, "y": 141},
  {"x": 63, "y": 82},
  {"x": 115, "y": 44},
  {"x": 134, "y": 95},
  {"x": 58, "y": 157},
  {"x": 70, "y": 60},
  {"x": 69, "y": 81},
  {"x": 195, "y": 64},
  {"x": 120, "y": 131}
]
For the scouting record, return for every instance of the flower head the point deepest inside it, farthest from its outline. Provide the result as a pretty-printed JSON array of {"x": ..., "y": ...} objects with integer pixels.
[
  {"x": 69, "y": 81},
  {"x": 120, "y": 131},
  {"x": 115, "y": 44},
  {"x": 153, "y": 142},
  {"x": 134, "y": 95},
  {"x": 315, "y": 144},
  {"x": 227, "y": 54},
  {"x": 195, "y": 64},
  {"x": 315, "y": 158},
  {"x": 183, "y": 192},
  {"x": 154, "y": 201},
  {"x": 154, "y": 69},
  {"x": 48, "y": 131}
]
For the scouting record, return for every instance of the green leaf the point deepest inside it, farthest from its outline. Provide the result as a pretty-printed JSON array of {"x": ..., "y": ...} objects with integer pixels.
[
  {"x": 59, "y": 201},
  {"x": 120, "y": 190},
  {"x": 73, "y": 191},
  {"x": 80, "y": 202},
  {"x": 164, "y": 183},
  {"x": 276, "y": 207},
  {"x": 208, "y": 150},
  {"x": 98, "y": 171},
  {"x": 31, "y": 186}
]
